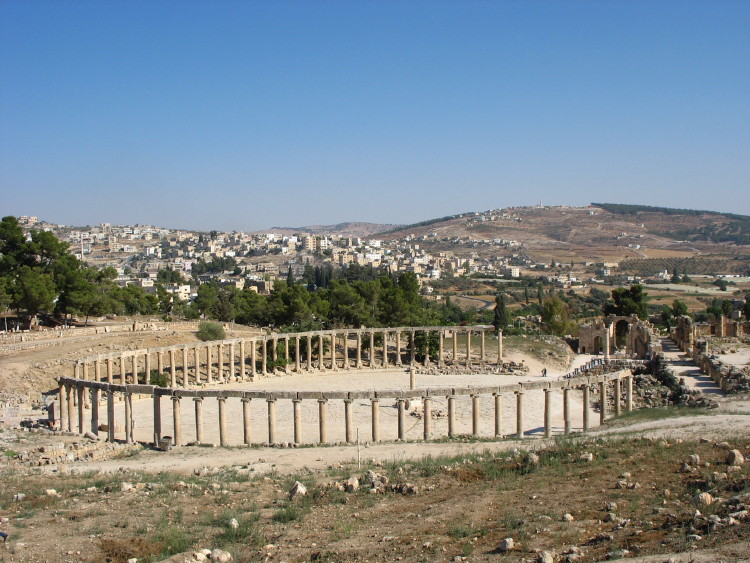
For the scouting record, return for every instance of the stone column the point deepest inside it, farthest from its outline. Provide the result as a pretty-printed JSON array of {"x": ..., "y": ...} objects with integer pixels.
[
  {"x": 519, "y": 414},
  {"x": 232, "y": 363},
  {"x": 264, "y": 358},
  {"x": 271, "y": 420},
  {"x": 95, "y": 397},
  {"x": 81, "y": 402},
  {"x": 451, "y": 415},
  {"x": 321, "y": 361},
  {"x": 198, "y": 419},
  {"x": 309, "y": 352},
  {"x": 209, "y": 365},
  {"x": 334, "y": 367},
  {"x": 359, "y": 349},
  {"x": 629, "y": 393},
  {"x": 375, "y": 403},
  {"x": 606, "y": 342},
  {"x": 441, "y": 349},
  {"x": 253, "y": 358},
  {"x": 185, "y": 376},
  {"x": 98, "y": 370},
  {"x": 159, "y": 362},
  {"x": 618, "y": 398},
  {"x": 348, "y": 420},
  {"x": 172, "y": 370},
  {"x": 246, "y": 429},
  {"x": 69, "y": 402},
  {"x": 134, "y": 360},
  {"x": 372, "y": 349},
  {"x": 412, "y": 347},
  {"x": 482, "y": 350},
  {"x": 297, "y": 359},
  {"x": 455, "y": 346},
  {"x": 345, "y": 336},
  {"x": 122, "y": 369},
  {"x": 220, "y": 363},
  {"x": 110, "y": 365},
  {"x": 385, "y": 349},
  {"x": 274, "y": 351},
  {"x": 398, "y": 347},
  {"x": 323, "y": 420},
  {"x": 243, "y": 370},
  {"x": 547, "y": 413},
  {"x": 176, "y": 421},
  {"x": 197, "y": 358},
  {"x": 603, "y": 402},
  {"x": 427, "y": 416},
  {"x": 128, "y": 418},
  {"x": 499, "y": 347},
  {"x": 110, "y": 416},
  {"x": 297, "y": 405},
  {"x": 401, "y": 419},
  {"x": 146, "y": 367},
  {"x": 468, "y": 347},
  {"x": 498, "y": 414},
  {"x": 286, "y": 355},
  {"x": 157, "y": 418},
  {"x": 222, "y": 420},
  {"x": 566, "y": 409},
  {"x": 586, "y": 400},
  {"x": 475, "y": 415},
  {"x": 63, "y": 404}
]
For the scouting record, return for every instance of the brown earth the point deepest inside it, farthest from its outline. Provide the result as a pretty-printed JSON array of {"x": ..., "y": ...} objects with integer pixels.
[{"x": 452, "y": 499}]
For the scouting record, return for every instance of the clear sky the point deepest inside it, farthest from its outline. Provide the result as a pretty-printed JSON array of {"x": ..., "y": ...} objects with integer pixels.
[{"x": 243, "y": 115}]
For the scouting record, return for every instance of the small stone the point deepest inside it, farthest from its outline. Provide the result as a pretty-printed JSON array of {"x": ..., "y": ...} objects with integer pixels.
[
  {"x": 586, "y": 457},
  {"x": 532, "y": 459},
  {"x": 545, "y": 557},
  {"x": 125, "y": 486},
  {"x": 221, "y": 556},
  {"x": 351, "y": 485},
  {"x": 234, "y": 524},
  {"x": 506, "y": 545},
  {"x": 133, "y": 560},
  {"x": 611, "y": 506},
  {"x": 735, "y": 458},
  {"x": 567, "y": 517},
  {"x": 51, "y": 493},
  {"x": 297, "y": 490},
  {"x": 703, "y": 499},
  {"x": 695, "y": 459}
]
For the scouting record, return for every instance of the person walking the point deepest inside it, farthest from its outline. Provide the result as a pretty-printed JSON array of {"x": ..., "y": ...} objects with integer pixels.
[{"x": 544, "y": 372}]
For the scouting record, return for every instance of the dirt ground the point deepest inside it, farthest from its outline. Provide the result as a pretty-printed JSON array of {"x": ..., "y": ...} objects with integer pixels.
[{"x": 620, "y": 491}]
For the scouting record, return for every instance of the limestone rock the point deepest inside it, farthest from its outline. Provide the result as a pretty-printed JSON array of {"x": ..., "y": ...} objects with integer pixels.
[
  {"x": 586, "y": 457},
  {"x": 297, "y": 490},
  {"x": 567, "y": 517},
  {"x": 695, "y": 459},
  {"x": 351, "y": 485},
  {"x": 234, "y": 524},
  {"x": 703, "y": 499},
  {"x": 125, "y": 486},
  {"x": 506, "y": 545},
  {"x": 545, "y": 557},
  {"x": 735, "y": 458},
  {"x": 532, "y": 459},
  {"x": 221, "y": 556}
]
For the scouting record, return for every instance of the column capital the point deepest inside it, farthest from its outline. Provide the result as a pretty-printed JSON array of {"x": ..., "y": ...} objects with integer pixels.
[
  {"x": 198, "y": 399},
  {"x": 295, "y": 401},
  {"x": 245, "y": 399},
  {"x": 520, "y": 392},
  {"x": 221, "y": 399},
  {"x": 270, "y": 399},
  {"x": 348, "y": 401},
  {"x": 175, "y": 398}
]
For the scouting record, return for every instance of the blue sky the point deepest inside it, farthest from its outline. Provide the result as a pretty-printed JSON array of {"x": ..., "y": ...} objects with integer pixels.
[{"x": 246, "y": 115}]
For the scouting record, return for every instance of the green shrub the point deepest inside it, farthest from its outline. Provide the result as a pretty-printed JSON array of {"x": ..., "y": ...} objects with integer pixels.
[
  {"x": 158, "y": 379},
  {"x": 209, "y": 330}
]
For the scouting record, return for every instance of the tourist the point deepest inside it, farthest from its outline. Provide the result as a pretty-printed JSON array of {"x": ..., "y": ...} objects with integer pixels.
[
  {"x": 544, "y": 372},
  {"x": 3, "y": 535}
]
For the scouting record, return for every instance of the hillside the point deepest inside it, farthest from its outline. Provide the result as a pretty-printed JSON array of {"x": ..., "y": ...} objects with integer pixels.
[
  {"x": 351, "y": 229},
  {"x": 597, "y": 233}
]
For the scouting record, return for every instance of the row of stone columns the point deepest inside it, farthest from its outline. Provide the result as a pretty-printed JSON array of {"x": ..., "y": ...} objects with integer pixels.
[
  {"x": 67, "y": 410},
  {"x": 221, "y": 361}
]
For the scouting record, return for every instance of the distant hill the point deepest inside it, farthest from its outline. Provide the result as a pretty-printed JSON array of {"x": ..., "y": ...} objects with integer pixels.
[
  {"x": 600, "y": 232},
  {"x": 351, "y": 229}
]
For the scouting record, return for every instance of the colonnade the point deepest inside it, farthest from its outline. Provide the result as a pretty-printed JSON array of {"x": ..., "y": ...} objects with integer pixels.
[
  {"x": 611, "y": 386},
  {"x": 207, "y": 363}
]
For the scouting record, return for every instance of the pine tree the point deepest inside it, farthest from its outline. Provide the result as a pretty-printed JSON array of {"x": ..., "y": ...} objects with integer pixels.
[{"x": 500, "y": 319}]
